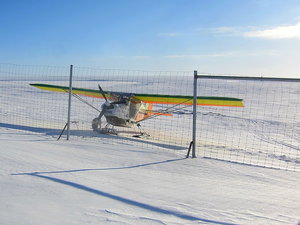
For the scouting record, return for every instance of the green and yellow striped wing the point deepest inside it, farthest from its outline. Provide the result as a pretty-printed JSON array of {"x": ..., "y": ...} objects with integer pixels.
[{"x": 149, "y": 98}]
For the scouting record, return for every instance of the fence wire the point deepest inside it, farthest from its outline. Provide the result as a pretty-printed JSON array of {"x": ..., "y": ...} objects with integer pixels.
[{"x": 266, "y": 132}]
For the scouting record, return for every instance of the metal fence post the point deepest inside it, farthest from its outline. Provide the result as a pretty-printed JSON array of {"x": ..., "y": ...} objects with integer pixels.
[
  {"x": 194, "y": 115},
  {"x": 69, "y": 105}
]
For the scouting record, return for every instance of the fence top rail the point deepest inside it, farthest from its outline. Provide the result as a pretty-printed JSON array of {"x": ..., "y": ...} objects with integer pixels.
[{"x": 250, "y": 78}]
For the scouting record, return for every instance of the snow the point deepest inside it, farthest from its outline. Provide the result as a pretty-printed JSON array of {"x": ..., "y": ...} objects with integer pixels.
[
  {"x": 45, "y": 181},
  {"x": 105, "y": 179}
]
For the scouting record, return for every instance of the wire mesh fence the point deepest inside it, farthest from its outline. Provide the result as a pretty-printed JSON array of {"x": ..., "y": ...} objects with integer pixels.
[{"x": 266, "y": 132}]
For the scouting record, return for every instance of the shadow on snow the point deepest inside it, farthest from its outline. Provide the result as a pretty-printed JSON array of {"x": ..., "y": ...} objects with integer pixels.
[
  {"x": 101, "y": 169},
  {"x": 128, "y": 201},
  {"x": 89, "y": 133}
]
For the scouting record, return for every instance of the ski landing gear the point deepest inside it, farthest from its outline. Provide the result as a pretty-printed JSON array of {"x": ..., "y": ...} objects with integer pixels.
[
  {"x": 109, "y": 129},
  {"x": 141, "y": 133},
  {"x": 96, "y": 125}
]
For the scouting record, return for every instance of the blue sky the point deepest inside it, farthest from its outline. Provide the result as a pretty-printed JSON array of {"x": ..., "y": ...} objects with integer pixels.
[{"x": 241, "y": 37}]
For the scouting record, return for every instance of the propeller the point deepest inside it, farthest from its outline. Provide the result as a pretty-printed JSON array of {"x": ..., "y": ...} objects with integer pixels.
[
  {"x": 102, "y": 92},
  {"x": 104, "y": 106},
  {"x": 96, "y": 123}
]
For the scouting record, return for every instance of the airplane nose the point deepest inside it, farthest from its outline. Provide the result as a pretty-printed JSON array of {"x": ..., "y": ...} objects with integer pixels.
[{"x": 107, "y": 105}]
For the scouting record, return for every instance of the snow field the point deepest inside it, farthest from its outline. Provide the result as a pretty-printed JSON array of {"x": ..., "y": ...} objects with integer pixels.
[{"x": 44, "y": 181}]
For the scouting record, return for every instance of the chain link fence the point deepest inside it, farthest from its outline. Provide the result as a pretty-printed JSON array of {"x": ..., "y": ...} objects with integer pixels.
[{"x": 266, "y": 132}]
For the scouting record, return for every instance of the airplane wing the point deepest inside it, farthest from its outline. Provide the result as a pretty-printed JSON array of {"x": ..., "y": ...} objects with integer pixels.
[{"x": 149, "y": 98}]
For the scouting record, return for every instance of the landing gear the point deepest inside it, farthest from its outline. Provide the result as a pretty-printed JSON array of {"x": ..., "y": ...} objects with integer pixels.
[
  {"x": 142, "y": 133},
  {"x": 109, "y": 129},
  {"x": 96, "y": 124}
]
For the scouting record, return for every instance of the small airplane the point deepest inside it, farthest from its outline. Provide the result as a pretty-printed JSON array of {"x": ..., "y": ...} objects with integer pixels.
[{"x": 129, "y": 109}]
